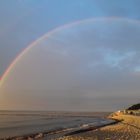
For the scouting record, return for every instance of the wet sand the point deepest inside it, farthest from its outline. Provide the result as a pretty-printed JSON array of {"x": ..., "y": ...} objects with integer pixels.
[{"x": 128, "y": 129}]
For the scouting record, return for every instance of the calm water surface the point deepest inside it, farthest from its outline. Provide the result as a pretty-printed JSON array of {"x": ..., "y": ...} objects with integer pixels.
[{"x": 18, "y": 123}]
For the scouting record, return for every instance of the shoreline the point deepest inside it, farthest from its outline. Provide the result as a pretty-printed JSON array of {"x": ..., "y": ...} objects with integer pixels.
[
  {"x": 57, "y": 133},
  {"x": 127, "y": 128},
  {"x": 120, "y": 127},
  {"x": 93, "y": 128}
]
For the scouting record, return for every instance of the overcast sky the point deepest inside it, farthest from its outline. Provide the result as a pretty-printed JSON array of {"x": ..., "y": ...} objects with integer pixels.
[{"x": 90, "y": 66}]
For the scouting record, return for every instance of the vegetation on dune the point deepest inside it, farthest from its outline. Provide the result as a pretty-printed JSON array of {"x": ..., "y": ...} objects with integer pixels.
[{"x": 134, "y": 107}]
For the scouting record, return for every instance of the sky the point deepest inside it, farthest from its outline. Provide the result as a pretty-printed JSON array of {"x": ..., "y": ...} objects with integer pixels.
[{"x": 89, "y": 65}]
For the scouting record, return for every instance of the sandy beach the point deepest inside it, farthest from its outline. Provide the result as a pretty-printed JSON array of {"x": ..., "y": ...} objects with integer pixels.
[{"x": 128, "y": 129}]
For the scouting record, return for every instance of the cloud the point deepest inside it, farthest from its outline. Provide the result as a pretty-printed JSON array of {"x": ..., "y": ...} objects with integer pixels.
[{"x": 84, "y": 67}]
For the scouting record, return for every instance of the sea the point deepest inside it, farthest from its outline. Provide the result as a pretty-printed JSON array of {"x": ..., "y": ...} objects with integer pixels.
[{"x": 52, "y": 124}]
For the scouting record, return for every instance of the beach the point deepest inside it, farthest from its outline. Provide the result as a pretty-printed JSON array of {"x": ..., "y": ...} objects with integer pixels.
[
  {"x": 68, "y": 126},
  {"x": 127, "y": 129}
]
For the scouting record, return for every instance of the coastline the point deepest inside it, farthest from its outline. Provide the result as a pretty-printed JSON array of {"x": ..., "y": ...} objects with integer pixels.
[
  {"x": 56, "y": 133},
  {"x": 128, "y": 128},
  {"x": 122, "y": 127}
]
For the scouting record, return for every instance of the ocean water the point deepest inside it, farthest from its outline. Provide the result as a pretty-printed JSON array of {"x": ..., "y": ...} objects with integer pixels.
[{"x": 20, "y": 123}]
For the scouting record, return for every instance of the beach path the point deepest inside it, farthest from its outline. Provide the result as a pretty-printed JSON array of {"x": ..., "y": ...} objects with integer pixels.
[{"x": 128, "y": 129}]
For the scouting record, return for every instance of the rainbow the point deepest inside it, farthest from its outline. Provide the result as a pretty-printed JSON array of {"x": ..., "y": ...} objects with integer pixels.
[{"x": 48, "y": 34}]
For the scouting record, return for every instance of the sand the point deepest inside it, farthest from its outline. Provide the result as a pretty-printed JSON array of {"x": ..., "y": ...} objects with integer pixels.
[{"x": 128, "y": 129}]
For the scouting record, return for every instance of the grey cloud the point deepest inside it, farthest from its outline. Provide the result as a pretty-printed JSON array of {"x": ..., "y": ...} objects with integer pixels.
[{"x": 85, "y": 67}]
